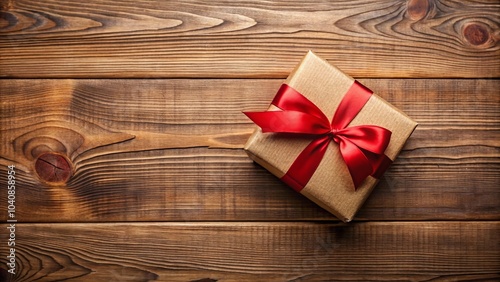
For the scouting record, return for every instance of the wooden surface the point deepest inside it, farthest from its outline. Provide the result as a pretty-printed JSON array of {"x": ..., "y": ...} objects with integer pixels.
[
  {"x": 264, "y": 251},
  {"x": 142, "y": 100},
  {"x": 174, "y": 146},
  {"x": 418, "y": 38}
]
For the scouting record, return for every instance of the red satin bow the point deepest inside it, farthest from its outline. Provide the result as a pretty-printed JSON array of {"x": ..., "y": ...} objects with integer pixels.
[{"x": 362, "y": 147}]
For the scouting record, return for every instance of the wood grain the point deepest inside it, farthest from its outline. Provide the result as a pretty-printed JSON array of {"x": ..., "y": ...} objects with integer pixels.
[
  {"x": 170, "y": 150},
  {"x": 191, "y": 38},
  {"x": 416, "y": 251}
]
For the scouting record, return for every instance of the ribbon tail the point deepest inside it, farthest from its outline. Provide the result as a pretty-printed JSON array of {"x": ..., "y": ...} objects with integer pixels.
[
  {"x": 357, "y": 162},
  {"x": 289, "y": 122},
  {"x": 303, "y": 168},
  {"x": 380, "y": 164}
]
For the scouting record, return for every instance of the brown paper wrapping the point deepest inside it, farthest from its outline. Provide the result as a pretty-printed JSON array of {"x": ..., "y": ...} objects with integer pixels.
[{"x": 331, "y": 185}]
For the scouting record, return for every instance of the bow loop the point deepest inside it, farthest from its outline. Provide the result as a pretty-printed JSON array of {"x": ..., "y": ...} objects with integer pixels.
[
  {"x": 289, "y": 99},
  {"x": 372, "y": 138}
]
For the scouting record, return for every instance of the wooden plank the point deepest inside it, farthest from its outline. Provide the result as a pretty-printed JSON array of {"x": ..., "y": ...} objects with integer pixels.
[
  {"x": 191, "y": 38},
  {"x": 169, "y": 150},
  {"x": 417, "y": 251}
]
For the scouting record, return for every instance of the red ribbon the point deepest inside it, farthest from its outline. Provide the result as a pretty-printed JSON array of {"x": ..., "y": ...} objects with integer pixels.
[{"x": 362, "y": 147}]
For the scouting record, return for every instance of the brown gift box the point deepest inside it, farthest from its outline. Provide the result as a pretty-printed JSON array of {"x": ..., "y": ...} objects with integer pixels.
[{"x": 331, "y": 185}]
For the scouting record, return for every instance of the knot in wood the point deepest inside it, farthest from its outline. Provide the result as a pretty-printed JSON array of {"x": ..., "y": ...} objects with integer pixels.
[
  {"x": 418, "y": 9},
  {"x": 476, "y": 34},
  {"x": 53, "y": 168}
]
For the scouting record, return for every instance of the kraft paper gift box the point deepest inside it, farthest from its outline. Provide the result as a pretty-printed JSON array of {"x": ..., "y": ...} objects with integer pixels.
[{"x": 328, "y": 182}]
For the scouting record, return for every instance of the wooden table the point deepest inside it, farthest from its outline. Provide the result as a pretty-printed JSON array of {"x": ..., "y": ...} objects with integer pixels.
[{"x": 130, "y": 111}]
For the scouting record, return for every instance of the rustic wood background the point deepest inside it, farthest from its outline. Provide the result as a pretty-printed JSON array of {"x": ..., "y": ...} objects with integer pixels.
[{"x": 144, "y": 98}]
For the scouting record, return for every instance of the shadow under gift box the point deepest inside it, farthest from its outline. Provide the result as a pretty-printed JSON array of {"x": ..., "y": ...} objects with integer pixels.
[{"x": 331, "y": 185}]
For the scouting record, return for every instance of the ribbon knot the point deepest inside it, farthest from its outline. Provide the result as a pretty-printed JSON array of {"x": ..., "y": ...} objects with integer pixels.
[
  {"x": 333, "y": 135},
  {"x": 362, "y": 147}
]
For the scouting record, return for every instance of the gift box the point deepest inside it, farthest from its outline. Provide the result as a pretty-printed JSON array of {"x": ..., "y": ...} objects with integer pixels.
[{"x": 328, "y": 137}]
